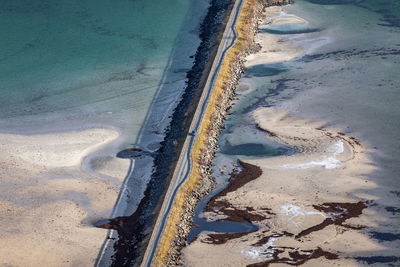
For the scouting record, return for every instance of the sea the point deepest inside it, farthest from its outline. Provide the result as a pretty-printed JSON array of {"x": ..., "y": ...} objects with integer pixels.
[
  {"x": 70, "y": 65},
  {"x": 74, "y": 64}
]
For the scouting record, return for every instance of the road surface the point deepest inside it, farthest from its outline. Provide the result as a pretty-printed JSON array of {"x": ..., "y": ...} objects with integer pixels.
[{"x": 183, "y": 166}]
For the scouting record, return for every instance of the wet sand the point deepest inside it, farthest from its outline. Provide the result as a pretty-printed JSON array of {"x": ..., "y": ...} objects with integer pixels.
[
  {"x": 312, "y": 207},
  {"x": 48, "y": 203},
  {"x": 313, "y": 203}
]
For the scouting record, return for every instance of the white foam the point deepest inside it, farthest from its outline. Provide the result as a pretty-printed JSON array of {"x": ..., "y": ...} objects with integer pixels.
[
  {"x": 294, "y": 211},
  {"x": 327, "y": 162},
  {"x": 215, "y": 218},
  {"x": 337, "y": 148},
  {"x": 265, "y": 251}
]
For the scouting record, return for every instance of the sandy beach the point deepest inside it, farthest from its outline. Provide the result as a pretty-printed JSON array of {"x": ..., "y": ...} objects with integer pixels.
[
  {"x": 311, "y": 207},
  {"x": 48, "y": 203}
]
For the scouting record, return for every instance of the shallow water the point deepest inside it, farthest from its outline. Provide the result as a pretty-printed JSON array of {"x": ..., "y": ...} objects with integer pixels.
[
  {"x": 121, "y": 65},
  {"x": 225, "y": 161},
  {"x": 201, "y": 224},
  {"x": 74, "y": 64},
  {"x": 353, "y": 81},
  {"x": 264, "y": 70},
  {"x": 287, "y": 29},
  {"x": 348, "y": 77},
  {"x": 76, "y": 61}
]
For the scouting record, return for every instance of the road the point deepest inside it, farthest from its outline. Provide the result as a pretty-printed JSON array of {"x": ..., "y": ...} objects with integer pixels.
[{"x": 183, "y": 166}]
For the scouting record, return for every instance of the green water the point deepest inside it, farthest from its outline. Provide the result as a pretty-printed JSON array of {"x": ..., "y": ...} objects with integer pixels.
[{"x": 83, "y": 60}]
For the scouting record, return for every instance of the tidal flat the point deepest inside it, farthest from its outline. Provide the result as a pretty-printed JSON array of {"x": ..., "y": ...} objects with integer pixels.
[{"x": 323, "y": 85}]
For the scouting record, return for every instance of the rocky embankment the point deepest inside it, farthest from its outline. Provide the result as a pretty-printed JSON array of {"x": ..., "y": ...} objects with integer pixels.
[{"x": 207, "y": 183}]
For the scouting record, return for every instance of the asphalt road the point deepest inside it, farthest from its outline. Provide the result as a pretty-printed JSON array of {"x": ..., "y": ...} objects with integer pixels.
[{"x": 183, "y": 166}]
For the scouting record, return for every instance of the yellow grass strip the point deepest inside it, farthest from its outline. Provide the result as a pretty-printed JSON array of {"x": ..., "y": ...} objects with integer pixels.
[{"x": 243, "y": 42}]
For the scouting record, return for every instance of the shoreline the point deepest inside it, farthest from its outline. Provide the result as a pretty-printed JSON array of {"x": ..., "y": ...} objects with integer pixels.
[
  {"x": 301, "y": 215},
  {"x": 133, "y": 102},
  {"x": 305, "y": 215},
  {"x": 134, "y": 231},
  {"x": 47, "y": 175},
  {"x": 200, "y": 181}
]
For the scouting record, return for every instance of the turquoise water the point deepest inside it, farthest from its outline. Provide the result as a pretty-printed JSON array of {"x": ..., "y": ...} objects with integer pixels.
[
  {"x": 83, "y": 61},
  {"x": 68, "y": 65}
]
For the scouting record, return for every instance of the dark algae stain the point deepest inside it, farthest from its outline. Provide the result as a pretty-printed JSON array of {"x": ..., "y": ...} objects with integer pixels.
[
  {"x": 338, "y": 214},
  {"x": 223, "y": 230},
  {"x": 238, "y": 179},
  {"x": 296, "y": 257},
  {"x": 265, "y": 239},
  {"x": 236, "y": 222},
  {"x": 266, "y": 131},
  {"x": 218, "y": 239}
]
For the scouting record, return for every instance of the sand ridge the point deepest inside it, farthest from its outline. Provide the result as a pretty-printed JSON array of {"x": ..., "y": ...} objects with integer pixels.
[{"x": 274, "y": 48}]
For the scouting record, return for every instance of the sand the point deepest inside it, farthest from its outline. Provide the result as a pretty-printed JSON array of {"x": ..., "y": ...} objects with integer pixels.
[
  {"x": 329, "y": 168},
  {"x": 314, "y": 203},
  {"x": 274, "y": 47},
  {"x": 48, "y": 204}
]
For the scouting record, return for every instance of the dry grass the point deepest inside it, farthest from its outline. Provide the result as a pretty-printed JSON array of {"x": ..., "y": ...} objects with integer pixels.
[{"x": 243, "y": 42}]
